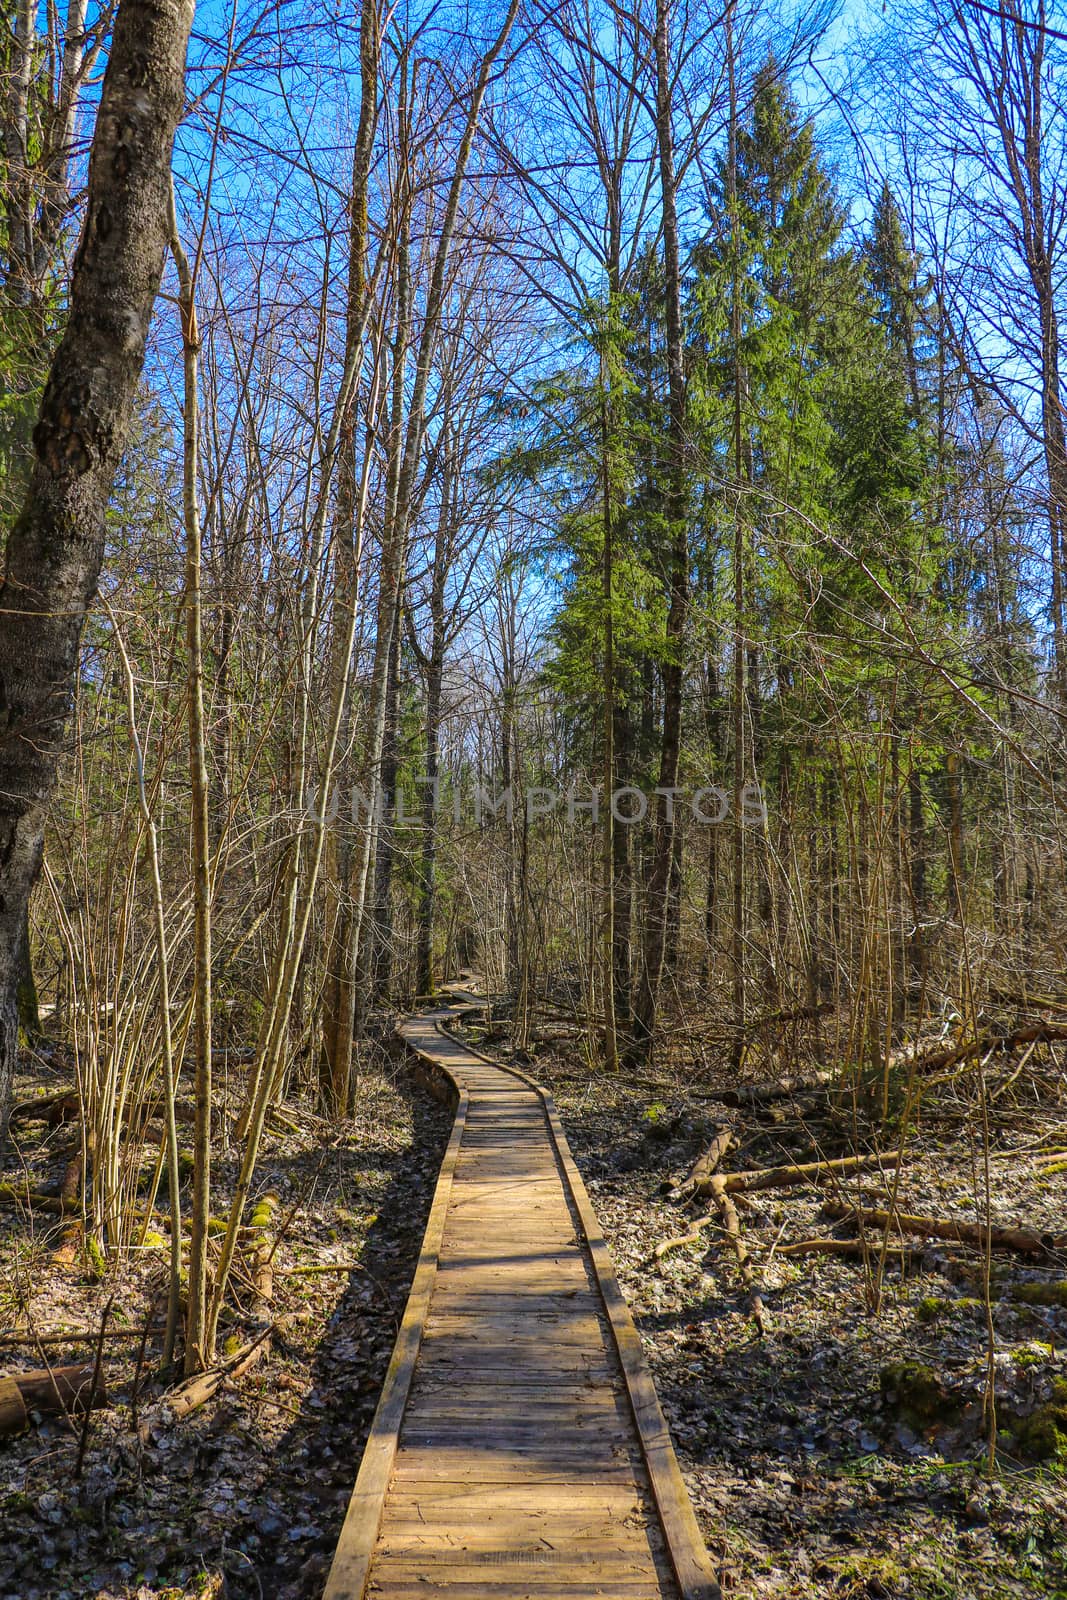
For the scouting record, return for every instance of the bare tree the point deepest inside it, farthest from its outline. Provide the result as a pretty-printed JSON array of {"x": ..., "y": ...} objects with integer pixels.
[{"x": 982, "y": 138}]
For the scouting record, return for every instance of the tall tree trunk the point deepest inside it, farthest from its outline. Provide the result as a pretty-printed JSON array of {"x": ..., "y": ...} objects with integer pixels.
[
  {"x": 196, "y": 1355},
  {"x": 396, "y": 522},
  {"x": 381, "y": 964},
  {"x": 427, "y": 906},
  {"x": 56, "y": 546},
  {"x": 658, "y": 893},
  {"x": 622, "y": 880},
  {"x": 917, "y": 887},
  {"x": 434, "y": 669},
  {"x": 338, "y": 996},
  {"x": 607, "y": 941},
  {"x": 740, "y": 461}
]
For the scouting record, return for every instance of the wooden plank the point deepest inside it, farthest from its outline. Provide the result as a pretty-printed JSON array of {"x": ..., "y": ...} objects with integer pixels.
[
  {"x": 549, "y": 1491},
  {"x": 444, "y": 1466},
  {"x": 528, "y": 1585},
  {"x": 507, "y": 1394},
  {"x": 505, "y": 1403},
  {"x": 458, "y": 1567},
  {"x": 515, "y": 1529},
  {"x": 583, "y": 1450},
  {"x": 521, "y": 1333},
  {"x": 478, "y": 1366},
  {"x": 412, "y": 1540}
]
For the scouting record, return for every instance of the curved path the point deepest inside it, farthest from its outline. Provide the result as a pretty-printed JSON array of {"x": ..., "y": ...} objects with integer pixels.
[{"x": 518, "y": 1449}]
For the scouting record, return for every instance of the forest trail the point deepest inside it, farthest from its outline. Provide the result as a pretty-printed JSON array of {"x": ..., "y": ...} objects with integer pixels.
[{"x": 518, "y": 1448}]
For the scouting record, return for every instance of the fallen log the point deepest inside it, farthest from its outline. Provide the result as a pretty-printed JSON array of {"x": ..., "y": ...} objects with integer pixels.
[
  {"x": 1002, "y": 1043},
  {"x": 62, "y": 1389},
  {"x": 53, "y": 1109},
  {"x": 758, "y": 1093},
  {"x": 14, "y": 1417},
  {"x": 12, "y": 1194},
  {"x": 1021, "y": 1240},
  {"x": 65, "y": 1106},
  {"x": 807, "y": 1172}
]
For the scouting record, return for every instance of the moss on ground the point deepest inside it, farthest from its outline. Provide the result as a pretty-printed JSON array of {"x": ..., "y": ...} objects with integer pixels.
[{"x": 915, "y": 1393}]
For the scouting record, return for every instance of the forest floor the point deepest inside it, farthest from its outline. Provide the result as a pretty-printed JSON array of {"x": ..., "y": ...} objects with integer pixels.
[
  {"x": 819, "y": 1465},
  {"x": 244, "y": 1498}
]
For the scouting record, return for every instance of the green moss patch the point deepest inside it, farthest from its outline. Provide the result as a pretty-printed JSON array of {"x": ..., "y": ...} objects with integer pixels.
[{"x": 1041, "y": 1294}]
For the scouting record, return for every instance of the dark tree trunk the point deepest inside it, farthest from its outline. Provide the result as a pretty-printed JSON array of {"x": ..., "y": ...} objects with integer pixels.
[
  {"x": 917, "y": 886},
  {"x": 622, "y": 886},
  {"x": 56, "y": 546}
]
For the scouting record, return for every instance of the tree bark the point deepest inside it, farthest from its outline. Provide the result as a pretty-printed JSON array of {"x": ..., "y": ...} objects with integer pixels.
[
  {"x": 195, "y": 1355},
  {"x": 338, "y": 1000},
  {"x": 658, "y": 895},
  {"x": 381, "y": 959},
  {"x": 433, "y": 668},
  {"x": 56, "y": 546}
]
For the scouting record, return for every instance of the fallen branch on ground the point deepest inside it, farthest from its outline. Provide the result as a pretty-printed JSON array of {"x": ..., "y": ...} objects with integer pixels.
[
  {"x": 808, "y": 1172},
  {"x": 782, "y": 1019},
  {"x": 847, "y": 1247},
  {"x": 704, "y": 1166},
  {"x": 1032, "y": 1033},
  {"x": 669, "y": 1246},
  {"x": 13, "y": 1195},
  {"x": 1022, "y": 1240},
  {"x": 728, "y": 1212},
  {"x": 53, "y": 1336},
  {"x": 199, "y": 1390},
  {"x": 326, "y": 1266}
]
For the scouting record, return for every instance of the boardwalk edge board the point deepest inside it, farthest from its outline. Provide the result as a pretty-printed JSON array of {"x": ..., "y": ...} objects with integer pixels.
[{"x": 688, "y": 1558}]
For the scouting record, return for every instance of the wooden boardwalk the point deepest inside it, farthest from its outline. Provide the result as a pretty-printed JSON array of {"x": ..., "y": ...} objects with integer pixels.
[{"x": 518, "y": 1448}]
